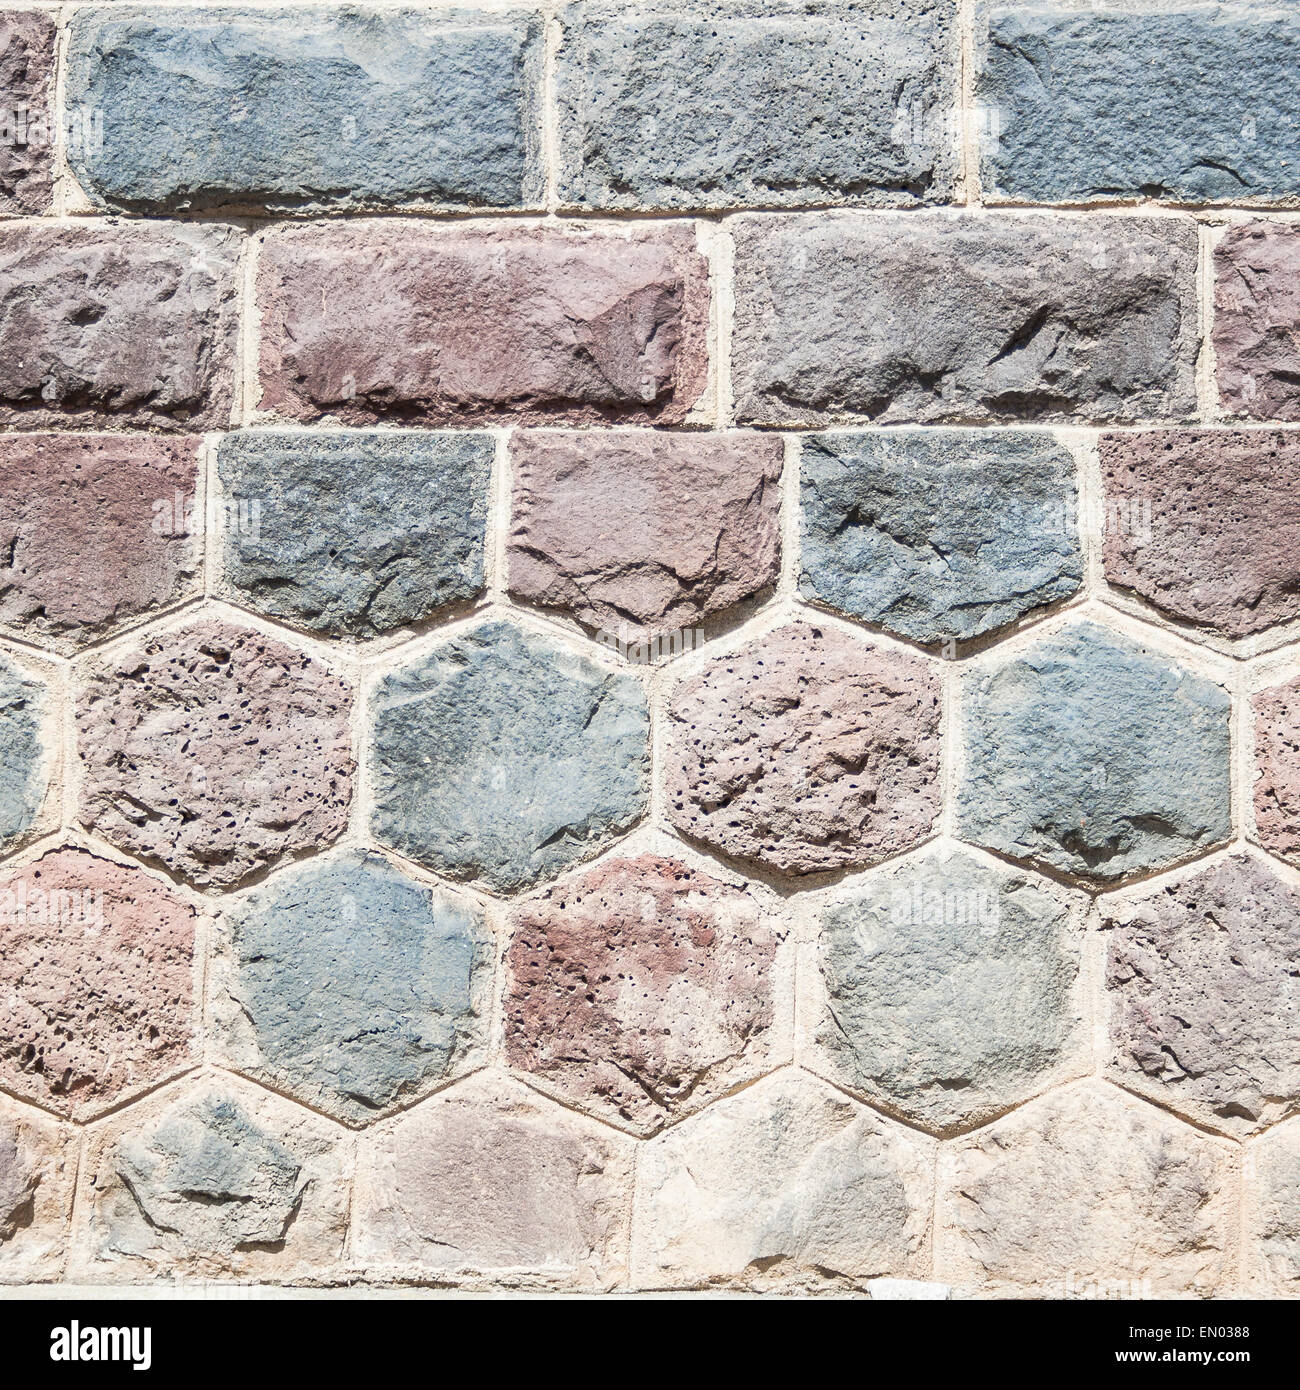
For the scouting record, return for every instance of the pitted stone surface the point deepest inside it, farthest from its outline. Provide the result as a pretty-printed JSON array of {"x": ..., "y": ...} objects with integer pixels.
[
  {"x": 373, "y": 320},
  {"x": 806, "y": 751},
  {"x": 94, "y": 529},
  {"x": 353, "y": 532},
  {"x": 1277, "y": 776},
  {"x": 644, "y": 534},
  {"x": 1273, "y": 1229},
  {"x": 491, "y": 1181},
  {"x": 1194, "y": 106},
  {"x": 132, "y": 323},
  {"x": 950, "y": 987},
  {"x": 786, "y": 1181},
  {"x": 1201, "y": 980},
  {"x": 938, "y": 534},
  {"x": 305, "y": 109},
  {"x": 38, "y": 1160},
  {"x": 214, "y": 751},
  {"x": 1205, "y": 524},
  {"x": 1094, "y": 755},
  {"x": 27, "y": 81},
  {"x": 724, "y": 105},
  {"x": 224, "y": 1181},
  {"x": 24, "y": 762},
  {"x": 1087, "y": 1193},
  {"x": 1257, "y": 320},
  {"x": 354, "y": 986},
  {"x": 642, "y": 989},
  {"x": 1007, "y": 318},
  {"x": 505, "y": 758},
  {"x": 96, "y": 981}
]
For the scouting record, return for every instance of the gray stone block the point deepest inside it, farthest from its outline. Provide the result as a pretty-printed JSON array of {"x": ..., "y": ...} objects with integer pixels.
[{"x": 22, "y": 759}]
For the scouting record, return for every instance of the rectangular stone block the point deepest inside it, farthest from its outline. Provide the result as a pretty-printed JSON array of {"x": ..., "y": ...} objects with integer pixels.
[
  {"x": 664, "y": 104},
  {"x": 1183, "y": 103},
  {"x": 27, "y": 122},
  {"x": 129, "y": 325},
  {"x": 938, "y": 316},
  {"x": 306, "y": 109},
  {"x": 448, "y": 323}
]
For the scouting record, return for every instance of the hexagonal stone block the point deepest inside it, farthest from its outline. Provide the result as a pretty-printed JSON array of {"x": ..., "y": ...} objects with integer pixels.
[
  {"x": 351, "y": 985},
  {"x": 951, "y": 987},
  {"x": 938, "y": 534},
  {"x": 355, "y": 532},
  {"x": 25, "y": 764},
  {"x": 1094, "y": 755},
  {"x": 218, "y": 1181},
  {"x": 1277, "y": 776},
  {"x": 502, "y": 757},
  {"x": 785, "y": 1184},
  {"x": 806, "y": 751},
  {"x": 38, "y": 1164},
  {"x": 214, "y": 750},
  {"x": 1086, "y": 1193},
  {"x": 642, "y": 989},
  {"x": 490, "y": 1182},
  {"x": 97, "y": 981},
  {"x": 1273, "y": 1212},
  {"x": 1201, "y": 981}
]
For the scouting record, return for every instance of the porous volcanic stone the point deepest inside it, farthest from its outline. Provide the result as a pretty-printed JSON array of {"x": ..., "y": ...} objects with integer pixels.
[
  {"x": 786, "y": 1182},
  {"x": 24, "y": 761},
  {"x": 644, "y": 534},
  {"x": 1087, "y": 1193},
  {"x": 806, "y": 751},
  {"x": 353, "y": 986},
  {"x": 1273, "y": 1228},
  {"x": 504, "y": 758},
  {"x": 938, "y": 534},
  {"x": 131, "y": 324},
  {"x": 94, "y": 529},
  {"x": 353, "y": 532},
  {"x": 426, "y": 323},
  {"x": 950, "y": 987},
  {"x": 214, "y": 750},
  {"x": 96, "y": 981},
  {"x": 782, "y": 104},
  {"x": 491, "y": 1180},
  {"x": 38, "y": 1160},
  {"x": 1094, "y": 755},
  {"x": 305, "y": 108},
  {"x": 1257, "y": 320},
  {"x": 1194, "y": 106},
  {"x": 27, "y": 81},
  {"x": 938, "y": 316},
  {"x": 1277, "y": 777},
  {"x": 642, "y": 990}
]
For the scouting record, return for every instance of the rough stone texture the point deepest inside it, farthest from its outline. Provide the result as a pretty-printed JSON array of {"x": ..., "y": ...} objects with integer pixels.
[
  {"x": 25, "y": 762},
  {"x": 503, "y": 758},
  {"x": 131, "y": 324},
  {"x": 214, "y": 751},
  {"x": 38, "y": 1161},
  {"x": 94, "y": 529},
  {"x": 1087, "y": 1193},
  {"x": 1273, "y": 1223},
  {"x": 353, "y": 533},
  {"x": 353, "y": 986},
  {"x": 642, "y": 990},
  {"x": 96, "y": 981},
  {"x": 1201, "y": 981},
  {"x": 223, "y": 1181},
  {"x": 938, "y": 534},
  {"x": 806, "y": 751},
  {"x": 785, "y": 1183},
  {"x": 491, "y": 1181},
  {"x": 949, "y": 317},
  {"x": 378, "y": 320},
  {"x": 1277, "y": 772},
  {"x": 1205, "y": 524},
  {"x": 717, "y": 105},
  {"x": 306, "y": 109},
  {"x": 644, "y": 534},
  {"x": 951, "y": 988},
  {"x": 1257, "y": 320},
  {"x": 26, "y": 122},
  {"x": 1094, "y": 755},
  {"x": 1195, "y": 106}
]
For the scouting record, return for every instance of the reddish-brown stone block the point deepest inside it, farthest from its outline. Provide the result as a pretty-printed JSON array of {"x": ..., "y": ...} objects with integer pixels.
[{"x": 1257, "y": 320}]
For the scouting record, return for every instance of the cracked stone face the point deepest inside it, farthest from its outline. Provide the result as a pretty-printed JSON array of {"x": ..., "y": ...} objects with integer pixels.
[
  {"x": 38, "y": 1159},
  {"x": 24, "y": 773},
  {"x": 640, "y": 990}
]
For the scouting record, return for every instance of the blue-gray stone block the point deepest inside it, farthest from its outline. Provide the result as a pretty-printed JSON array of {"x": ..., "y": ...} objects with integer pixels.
[{"x": 22, "y": 762}]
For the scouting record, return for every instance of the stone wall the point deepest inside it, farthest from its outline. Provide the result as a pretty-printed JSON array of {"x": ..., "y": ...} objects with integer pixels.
[{"x": 651, "y": 645}]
